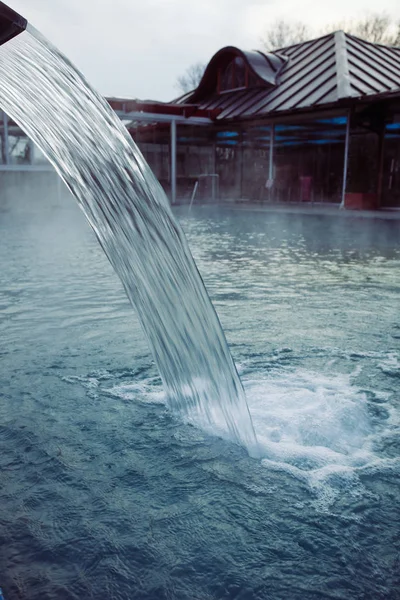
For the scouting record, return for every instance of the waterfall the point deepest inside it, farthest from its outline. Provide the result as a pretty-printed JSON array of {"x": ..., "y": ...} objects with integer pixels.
[{"x": 125, "y": 205}]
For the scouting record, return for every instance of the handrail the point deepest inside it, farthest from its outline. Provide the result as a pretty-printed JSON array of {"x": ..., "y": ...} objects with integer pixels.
[{"x": 215, "y": 177}]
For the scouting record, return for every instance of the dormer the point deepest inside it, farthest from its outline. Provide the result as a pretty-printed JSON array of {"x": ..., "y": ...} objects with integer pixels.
[{"x": 232, "y": 69}]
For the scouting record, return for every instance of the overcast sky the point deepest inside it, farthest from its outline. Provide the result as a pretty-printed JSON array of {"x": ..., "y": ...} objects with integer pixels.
[{"x": 138, "y": 48}]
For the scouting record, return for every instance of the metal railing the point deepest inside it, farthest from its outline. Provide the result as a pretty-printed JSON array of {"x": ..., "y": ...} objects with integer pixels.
[{"x": 214, "y": 187}]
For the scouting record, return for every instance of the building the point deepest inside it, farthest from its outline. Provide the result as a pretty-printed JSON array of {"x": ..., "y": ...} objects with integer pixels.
[{"x": 315, "y": 122}]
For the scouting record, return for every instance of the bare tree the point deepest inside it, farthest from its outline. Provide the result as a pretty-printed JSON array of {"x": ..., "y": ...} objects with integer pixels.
[
  {"x": 374, "y": 28},
  {"x": 285, "y": 33},
  {"x": 397, "y": 38},
  {"x": 377, "y": 28},
  {"x": 191, "y": 78}
]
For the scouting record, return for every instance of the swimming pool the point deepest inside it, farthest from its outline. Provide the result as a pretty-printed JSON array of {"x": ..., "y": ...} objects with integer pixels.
[{"x": 105, "y": 493}]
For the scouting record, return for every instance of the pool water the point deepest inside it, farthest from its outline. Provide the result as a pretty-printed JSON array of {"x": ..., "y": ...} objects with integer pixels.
[{"x": 105, "y": 493}]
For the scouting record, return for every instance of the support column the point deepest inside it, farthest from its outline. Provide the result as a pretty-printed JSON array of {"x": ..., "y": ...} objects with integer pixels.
[
  {"x": 173, "y": 162},
  {"x": 31, "y": 151},
  {"x": 346, "y": 160},
  {"x": 6, "y": 146},
  {"x": 215, "y": 178},
  {"x": 271, "y": 154},
  {"x": 240, "y": 151},
  {"x": 269, "y": 184},
  {"x": 380, "y": 165},
  {"x": 214, "y": 158}
]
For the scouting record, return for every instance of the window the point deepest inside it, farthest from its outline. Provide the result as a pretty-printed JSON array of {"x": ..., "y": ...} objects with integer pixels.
[
  {"x": 308, "y": 160},
  {"x": 235, "y": 76}
]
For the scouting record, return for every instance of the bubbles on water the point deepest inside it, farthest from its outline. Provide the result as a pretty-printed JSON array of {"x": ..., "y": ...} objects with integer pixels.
[
  {"x": 310, "y": 418},
  {"x": 316, "y": 427},
  {"x": 391, "y": 365},
  {"x": 91, "y": 384},
  {"x": 320, "y": 428},
  {"x": 146, "y": 392}
]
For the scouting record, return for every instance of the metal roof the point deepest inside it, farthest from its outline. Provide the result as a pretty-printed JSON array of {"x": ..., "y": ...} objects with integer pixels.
[{"x": 323, "y": 71}]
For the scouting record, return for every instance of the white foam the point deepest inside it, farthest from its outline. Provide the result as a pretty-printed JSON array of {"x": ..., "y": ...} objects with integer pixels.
[
  {"x": 391, "y": 365},
  {"x": 145, "y": 392},
  {"x": 86, "y": 382},
  {"x": 303, "y": 413},
  {"x": 315, "y": 427}
]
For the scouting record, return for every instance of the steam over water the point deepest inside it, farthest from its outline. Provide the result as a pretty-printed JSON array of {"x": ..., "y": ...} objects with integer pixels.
[
  {"x": 130, "y": 215},
  {"x": 104, "y": 491}
]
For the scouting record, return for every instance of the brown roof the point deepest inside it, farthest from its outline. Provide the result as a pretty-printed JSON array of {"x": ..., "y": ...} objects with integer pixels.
[{"x": 330, "y": 69}]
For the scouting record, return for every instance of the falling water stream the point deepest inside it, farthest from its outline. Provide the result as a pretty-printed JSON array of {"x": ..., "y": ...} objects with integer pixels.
[{"x": 130, "y": 214}]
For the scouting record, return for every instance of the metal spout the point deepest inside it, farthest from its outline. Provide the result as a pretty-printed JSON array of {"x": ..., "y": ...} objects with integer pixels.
[{"x": 11, "y": 23}]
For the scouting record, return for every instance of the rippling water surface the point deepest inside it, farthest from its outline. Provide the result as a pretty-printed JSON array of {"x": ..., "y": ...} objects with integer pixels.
[{"x": 105, "y": 494}]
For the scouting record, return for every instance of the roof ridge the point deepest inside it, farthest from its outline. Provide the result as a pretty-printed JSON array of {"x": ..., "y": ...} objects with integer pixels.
[
  {"x": 312, "y": 40},
  {"x": 343, "y": 83}
]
